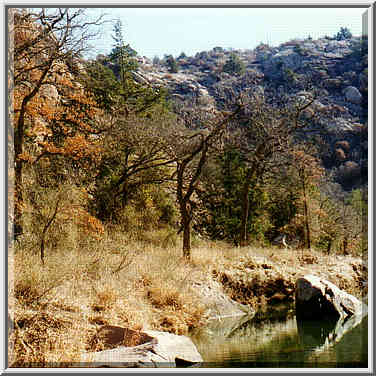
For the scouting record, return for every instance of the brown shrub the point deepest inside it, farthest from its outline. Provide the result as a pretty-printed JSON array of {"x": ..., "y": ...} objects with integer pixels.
[{"x": 340, "y": 155}]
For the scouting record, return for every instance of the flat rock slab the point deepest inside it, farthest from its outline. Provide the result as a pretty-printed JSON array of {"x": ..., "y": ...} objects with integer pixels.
[
  {"x": 161, "y": 350},
  {"x": 317, "y": 298}
]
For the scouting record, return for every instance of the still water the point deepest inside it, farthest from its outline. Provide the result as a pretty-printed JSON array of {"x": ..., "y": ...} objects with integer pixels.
[{"x": 276, "y": 340}]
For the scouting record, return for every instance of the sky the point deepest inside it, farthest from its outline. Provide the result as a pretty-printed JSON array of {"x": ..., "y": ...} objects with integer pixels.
[{"x": 159, "y": 31}]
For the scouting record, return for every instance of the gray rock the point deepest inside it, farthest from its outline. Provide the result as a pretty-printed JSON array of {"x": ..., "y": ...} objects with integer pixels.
[
  {"x": 309, "y": 45},
  {"x": 317, "y": 298},
  {"x": 161, "y": 350},
  {"x": 219, "y": 305},
  {"x": 339, "y": 125},
  {"x": 258, "y": 91},
  {"x": 353, "y": 95},
  {"x": 139, "y": 78},
  {"x": 10, "y": 324},
  {"x": 318, "y": 106},
  {"x": 284, "y": 59},
  {"x": 332, "y": 83},
  {"x": 50, "y": 92},
  {"x": 142, "y": 356},
  {"x": 331, "y": 55},
  {"x": 179, "y": 349},
  {"x": 336, "y": 45}
]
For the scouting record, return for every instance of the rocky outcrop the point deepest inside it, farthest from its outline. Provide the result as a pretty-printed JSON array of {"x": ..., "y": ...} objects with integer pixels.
[
  {"x": 134, "y": 349},
  {"x": 317, "y": 298},
  {"x": 336, "y": 71}
]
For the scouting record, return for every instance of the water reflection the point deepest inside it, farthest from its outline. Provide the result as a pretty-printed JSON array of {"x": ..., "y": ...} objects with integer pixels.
[
  {"x": 341, "y": 343},
  {"x": 314, "y": 334},
  {"x": 267, "y": 341}
]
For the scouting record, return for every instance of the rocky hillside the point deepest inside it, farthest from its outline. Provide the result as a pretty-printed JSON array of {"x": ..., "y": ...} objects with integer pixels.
[{"x": 334, "y": 71}]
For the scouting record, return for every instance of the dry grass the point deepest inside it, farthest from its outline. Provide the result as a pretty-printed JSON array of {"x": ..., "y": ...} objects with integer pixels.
[{"x": 57, "y": 307}]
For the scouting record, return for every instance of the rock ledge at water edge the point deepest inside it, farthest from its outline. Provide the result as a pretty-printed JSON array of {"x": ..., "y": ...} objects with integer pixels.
[{"x": 317, "y": 298}]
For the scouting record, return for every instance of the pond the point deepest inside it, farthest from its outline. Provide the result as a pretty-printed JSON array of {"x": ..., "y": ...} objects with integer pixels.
[{"x": 275, "y": 339}]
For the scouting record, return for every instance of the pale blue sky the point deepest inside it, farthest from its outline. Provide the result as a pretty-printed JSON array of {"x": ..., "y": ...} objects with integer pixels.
[{"x": 158, "y": 31}]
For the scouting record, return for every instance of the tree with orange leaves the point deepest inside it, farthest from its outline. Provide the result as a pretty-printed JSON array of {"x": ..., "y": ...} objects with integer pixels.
[{"x": 50, "y": 113}]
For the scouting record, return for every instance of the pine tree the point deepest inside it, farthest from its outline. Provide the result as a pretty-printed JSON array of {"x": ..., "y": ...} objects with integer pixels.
[{"x": 122, "y": 54}]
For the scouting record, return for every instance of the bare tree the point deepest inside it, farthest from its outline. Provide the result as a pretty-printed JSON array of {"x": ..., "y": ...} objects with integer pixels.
[
  {"x": 191, "y": 149},
  {"x": 262, "y": 133}
]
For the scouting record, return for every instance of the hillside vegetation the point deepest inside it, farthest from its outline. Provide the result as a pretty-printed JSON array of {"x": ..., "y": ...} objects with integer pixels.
[{"x": 133, "y": 183}]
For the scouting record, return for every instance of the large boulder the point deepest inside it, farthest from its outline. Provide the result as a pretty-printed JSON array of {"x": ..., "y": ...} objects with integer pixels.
[
  {"x": 317, "y": 298},
  {"x": 127, "y": 348},
  {"x": 353, "y": 95}
]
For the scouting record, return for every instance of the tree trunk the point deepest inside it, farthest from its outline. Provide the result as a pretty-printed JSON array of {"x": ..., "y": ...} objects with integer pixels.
[
  {"x": 308, "y": 231},
  {"x": 46, "y": 227},
  {"x": 329, "y": 247},
  {"x": 18, "y": 200},
  {"x": 306, "y": 216},
  {"x": 18, "y": 194},
  {"x": 18, "y": 148},
  {"x": 185, "y": 211},
  {"x": 344, "y": 244},
  {"x": 186, "y": 226},
  {"x": 187, "y": 238},
  {"x": 245, "y": 212}
]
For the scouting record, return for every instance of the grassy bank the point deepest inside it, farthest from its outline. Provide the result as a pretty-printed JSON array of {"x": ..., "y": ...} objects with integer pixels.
[{"x": 57, "y": 307}]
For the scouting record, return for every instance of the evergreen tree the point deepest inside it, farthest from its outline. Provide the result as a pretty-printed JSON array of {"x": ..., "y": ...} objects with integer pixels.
[
  {"x": 101, "y": 81},
  {"x": 172, "y": 65},
  {"x": 233, "y": 65},
  {"x": 343, "y": 34},
  {"x": 122, "y": 54},
  {"x": 182, "y": 55},
  {"x": 222, "y": 200}
]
